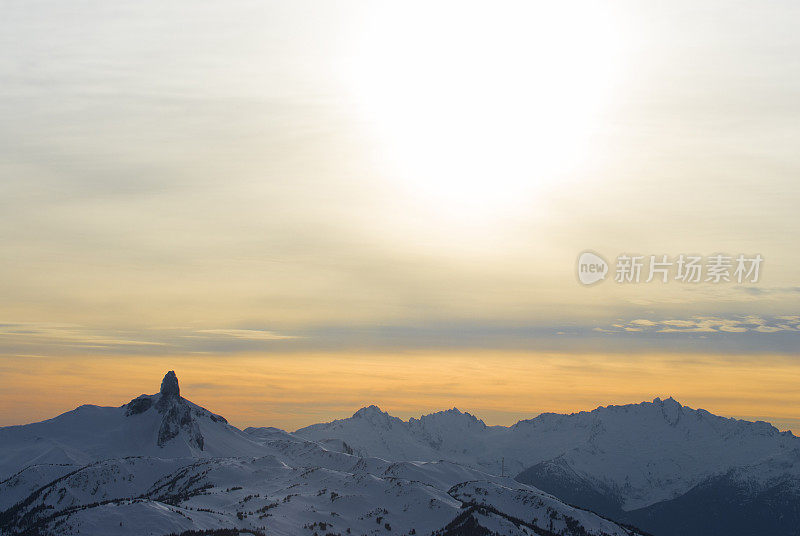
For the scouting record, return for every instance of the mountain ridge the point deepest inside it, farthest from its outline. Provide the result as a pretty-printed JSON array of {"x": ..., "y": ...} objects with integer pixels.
[
  {"x": 674, "y": 404},
  {"x": 190, "y": 473},
  {"x": 658, "y": 465},
  {"x": 613, "y": 446}
]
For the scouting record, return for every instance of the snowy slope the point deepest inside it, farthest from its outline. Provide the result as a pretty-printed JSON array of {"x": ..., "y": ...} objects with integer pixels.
[
  {"x": 442, "y": 435},
  {"x": 299, "y": 488},
  {"x": 637, "y": 454},
  {"x": 162, "y": 425},
  {"x": 161, "y": 465},
  {"x": 535, "y": 509}
]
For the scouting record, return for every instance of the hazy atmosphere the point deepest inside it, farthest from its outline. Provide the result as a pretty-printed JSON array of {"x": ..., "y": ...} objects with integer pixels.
[{"x": 306, "y": 207}]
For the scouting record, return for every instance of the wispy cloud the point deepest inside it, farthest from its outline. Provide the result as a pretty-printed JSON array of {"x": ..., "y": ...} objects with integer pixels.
[
  {"x": 708, "y": 324},
  {"x": 769, "y": 291},
  {"x": 69, "y": 335},
  {"x": 18, "y": 338},
  {"x": 249, "y": 334},
  {"x": 643, "y": 333}
]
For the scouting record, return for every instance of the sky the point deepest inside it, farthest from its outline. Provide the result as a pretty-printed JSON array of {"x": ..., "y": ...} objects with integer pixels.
[{"x": 307, "y": 207}]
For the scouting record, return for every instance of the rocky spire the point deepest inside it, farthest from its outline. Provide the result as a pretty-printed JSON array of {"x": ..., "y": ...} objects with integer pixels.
[{"x": 169, "y": 385}]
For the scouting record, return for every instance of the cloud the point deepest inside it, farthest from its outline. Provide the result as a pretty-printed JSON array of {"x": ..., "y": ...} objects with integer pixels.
[
  {"x": 69, "y": 335},
  {"x": 769, "y": 291},
  {"x": 696, "y": 329},
  {"x": 708, "y": 324},
  {"x": 678, "y": 323},
  {"x": 29, "y": 338},
  {"x": 249, "y": 334},
  {"x": 733, "y": 329},
  {"x": 726, "y": 334}
]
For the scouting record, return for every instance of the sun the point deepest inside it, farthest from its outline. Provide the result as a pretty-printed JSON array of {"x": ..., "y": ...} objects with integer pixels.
[{"x": 478, "y": 106}]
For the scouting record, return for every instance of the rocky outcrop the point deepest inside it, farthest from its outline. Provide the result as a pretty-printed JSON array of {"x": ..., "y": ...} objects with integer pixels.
[
  {"x": 176, "y": 419},
  {"x": 177, "y": 414},
  {"x": 169, "y": 385},
  {"x": 138, "y": 405}
]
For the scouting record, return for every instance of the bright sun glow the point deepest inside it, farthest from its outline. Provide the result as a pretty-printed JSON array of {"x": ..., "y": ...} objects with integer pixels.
[{"x": 477, "y": 107}]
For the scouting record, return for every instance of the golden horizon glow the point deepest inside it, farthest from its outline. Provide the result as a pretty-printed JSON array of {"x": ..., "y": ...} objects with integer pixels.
[{"x": 292, "y": 391}]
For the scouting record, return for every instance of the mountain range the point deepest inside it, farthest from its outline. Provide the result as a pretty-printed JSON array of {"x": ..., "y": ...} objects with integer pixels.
[
  {"x": 667, "y": 468},
  {"x": 161, "y": 465}
]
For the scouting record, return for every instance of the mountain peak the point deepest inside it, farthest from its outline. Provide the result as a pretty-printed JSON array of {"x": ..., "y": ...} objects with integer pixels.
[
  {"x": 658, "y": 400},
  {"x": 169, "y": 385},
  {"x": 670, "y": 408},
  {"x": 369, "y": 410}
]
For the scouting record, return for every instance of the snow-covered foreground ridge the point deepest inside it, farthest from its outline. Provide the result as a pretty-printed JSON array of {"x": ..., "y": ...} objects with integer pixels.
[{"x": 161, "y": 465}]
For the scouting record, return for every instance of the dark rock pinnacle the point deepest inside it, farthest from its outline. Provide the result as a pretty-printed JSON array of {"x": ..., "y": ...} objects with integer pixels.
[{"x": 169, "y": 385}]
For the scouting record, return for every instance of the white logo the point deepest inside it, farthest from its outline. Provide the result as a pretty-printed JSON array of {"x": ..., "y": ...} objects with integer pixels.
[
  {"x": 630, "y": 268},
  {"x": 591, "y": 268}
]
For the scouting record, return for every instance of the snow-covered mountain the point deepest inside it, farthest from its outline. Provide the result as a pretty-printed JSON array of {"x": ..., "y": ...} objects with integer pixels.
[
  {"x": 632, "y": 462},
  {"x": 163, "y": 425},
  {"x": 450, "y": 435},
  {"x": 161, "y": 465}
]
